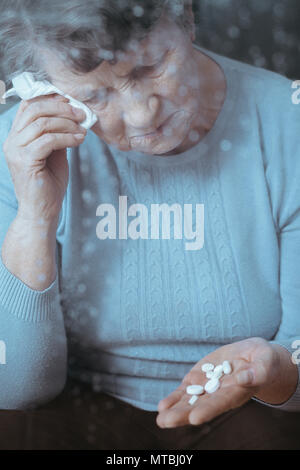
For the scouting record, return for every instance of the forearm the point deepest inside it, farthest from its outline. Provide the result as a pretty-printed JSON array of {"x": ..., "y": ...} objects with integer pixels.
[
  {"x": 28, "y": 252},
  {"x": 285, "y": 383},
  {"x": 31, "y": 317},
  {"x": 35, "y": 365}
]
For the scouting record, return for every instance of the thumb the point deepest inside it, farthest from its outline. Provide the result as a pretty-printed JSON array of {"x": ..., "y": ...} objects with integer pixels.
[{"x": 252, "y": 376}]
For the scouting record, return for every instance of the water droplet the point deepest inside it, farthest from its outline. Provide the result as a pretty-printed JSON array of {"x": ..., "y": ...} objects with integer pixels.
[
  {"x": 88, "y": 248},
  {"x": 194, "y": 82},
  {"x": 138, "y": 11},
  {"x": 183, "y": 90},
  {"x": 105, "y": 55},
  {"x": 85, "y": 268},
  {"x": 137, "y": 94},
  {"x": 233, "y": 32},
  {"x": 133, "y": 45},
  {"x": 81, "y": 288},
  {"x": 87, "y": 222},
  {"x": 75, "y": 53},
  {"x": 87, "y": 196},
  {"x": 225, "y": 145},
  {"x": 168, "y": 131},
  {"x": 194, "y": 136},
  {"x": 84, "y": 168},
  {"x": 96, "y": 387},
  {"x": 93, "y": 312},
  {"x": 171, "y": 69}
]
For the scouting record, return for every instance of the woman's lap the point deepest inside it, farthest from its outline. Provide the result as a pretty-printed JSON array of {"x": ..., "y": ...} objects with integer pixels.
[{"x": 82, "y": 419}]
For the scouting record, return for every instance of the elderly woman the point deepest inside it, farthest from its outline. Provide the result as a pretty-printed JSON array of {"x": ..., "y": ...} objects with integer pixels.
[{"x": 131, "y": 318}]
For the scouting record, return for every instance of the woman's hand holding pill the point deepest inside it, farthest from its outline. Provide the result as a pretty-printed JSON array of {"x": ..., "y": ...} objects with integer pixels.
[
  {"x": 252, "y": 367},
  {"x": 35, "y": 151}
]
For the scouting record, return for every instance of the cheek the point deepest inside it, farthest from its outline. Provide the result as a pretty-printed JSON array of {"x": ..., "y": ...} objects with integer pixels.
[
  {"x": 172, "y": 84},
  {"x": 109, "y": 120},
  {"x": 110, "y": 127}
]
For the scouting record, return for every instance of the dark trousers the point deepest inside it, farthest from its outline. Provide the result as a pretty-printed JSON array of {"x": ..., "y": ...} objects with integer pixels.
[{"x": 81, "y": 419}]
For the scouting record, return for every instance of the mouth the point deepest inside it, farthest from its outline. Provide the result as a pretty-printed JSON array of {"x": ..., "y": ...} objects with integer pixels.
[{"x": 159, "y": 131}]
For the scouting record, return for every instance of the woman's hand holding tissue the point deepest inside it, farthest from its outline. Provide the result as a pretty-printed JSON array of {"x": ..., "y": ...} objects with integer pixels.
[{"x": 35, "y": 152}]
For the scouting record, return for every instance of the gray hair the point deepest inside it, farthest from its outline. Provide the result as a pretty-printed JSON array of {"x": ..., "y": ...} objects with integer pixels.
[{"x": 82, "y": 33}]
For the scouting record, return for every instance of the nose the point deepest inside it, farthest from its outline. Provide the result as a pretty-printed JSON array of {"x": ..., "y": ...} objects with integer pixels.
[{"x": 140, "y": 110}]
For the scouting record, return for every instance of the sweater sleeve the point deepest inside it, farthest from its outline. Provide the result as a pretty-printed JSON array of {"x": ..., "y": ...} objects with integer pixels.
[
  {"x": 282, "y": 167},
  {"x": 33, "y": 349}
]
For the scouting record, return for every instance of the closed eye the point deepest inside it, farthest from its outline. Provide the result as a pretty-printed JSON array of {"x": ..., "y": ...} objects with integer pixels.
[
  {"x": 145, "y": 69},
  {"x": 99, "y": 97},
  {"x": 150, "y": 70}
]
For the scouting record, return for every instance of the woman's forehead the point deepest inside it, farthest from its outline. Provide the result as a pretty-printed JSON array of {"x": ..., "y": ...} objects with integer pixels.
[
  {"x": 136, "y": 53},
  {"x": 151, "y": 47}
]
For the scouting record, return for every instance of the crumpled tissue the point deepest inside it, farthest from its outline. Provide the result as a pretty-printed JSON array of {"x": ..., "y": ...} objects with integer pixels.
[{"x": 26, "y": 87}]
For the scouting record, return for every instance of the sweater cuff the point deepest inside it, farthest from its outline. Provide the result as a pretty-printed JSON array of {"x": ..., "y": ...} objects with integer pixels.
[
  {"x": 293, "y": 403},
  {"x": 25, "y": 303}
]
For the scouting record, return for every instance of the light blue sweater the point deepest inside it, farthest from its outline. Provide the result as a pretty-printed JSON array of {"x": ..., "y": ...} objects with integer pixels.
[{"x": 138, "y": 313}]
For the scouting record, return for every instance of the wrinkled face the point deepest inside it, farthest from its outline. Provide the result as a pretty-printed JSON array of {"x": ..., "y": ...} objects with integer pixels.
[{"x": 148, "y": 101}]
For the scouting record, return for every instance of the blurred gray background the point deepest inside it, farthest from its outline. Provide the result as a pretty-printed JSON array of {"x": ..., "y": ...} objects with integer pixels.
[{"x": 265, "y": 33}]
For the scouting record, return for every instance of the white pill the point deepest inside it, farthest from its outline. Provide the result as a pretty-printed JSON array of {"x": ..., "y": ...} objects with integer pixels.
[
  {"x": 217, "y": 375},
  {"x": 226, "y": 367},
  {"x": 207, "y": 367},
  {"x": 218, "y": 371},
  {"x": 212, "y": 385},
  {"x": 218, "y": 368},
  {"x": 193, "y": 399},
  {"x": 195, "y": 389},
  {"x": 209, "y": 374}
]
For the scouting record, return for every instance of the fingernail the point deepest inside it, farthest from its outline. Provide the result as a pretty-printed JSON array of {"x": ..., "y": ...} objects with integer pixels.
[{"x": 79, "y": 136}]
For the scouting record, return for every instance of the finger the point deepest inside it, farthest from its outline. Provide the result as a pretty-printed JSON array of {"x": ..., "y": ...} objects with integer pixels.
[
  {"x": 44, "y": 125},
  {"x": 252, "y": 376},
  {"x": 19, "y": 112},
  {"x": 218, "y": 403},
  {"x": 176, "y": 416},
  {"x": 42, "y": 147},
  {"x": 48, "y": 108},
  {"x": 174, "y": 397},
  {"x": 170, "y": 400},
  {"x": 25, "y": 103}
]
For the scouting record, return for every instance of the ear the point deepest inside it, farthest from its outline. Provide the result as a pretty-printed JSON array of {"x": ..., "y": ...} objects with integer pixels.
[{"x": 188, "y": 5}]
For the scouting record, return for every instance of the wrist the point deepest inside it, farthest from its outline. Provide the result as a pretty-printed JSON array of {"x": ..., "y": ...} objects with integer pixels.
[
  {"x": 284, "y": 380},
  {"x": 25, "y": 224}
]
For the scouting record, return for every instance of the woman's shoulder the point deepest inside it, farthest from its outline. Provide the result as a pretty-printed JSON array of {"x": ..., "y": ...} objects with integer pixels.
[
  {"x": 257, "y": 83},
  {"x": 251, "y": 71},
  {"x": 271, "y": 103}
]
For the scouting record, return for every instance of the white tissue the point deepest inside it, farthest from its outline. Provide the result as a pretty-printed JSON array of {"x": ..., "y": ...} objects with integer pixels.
[{"x": 26, "y": 87}]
